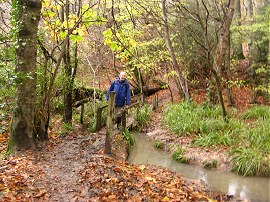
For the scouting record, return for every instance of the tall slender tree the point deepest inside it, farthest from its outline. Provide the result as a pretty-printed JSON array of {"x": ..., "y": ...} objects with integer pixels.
[
  {"x": 238, "y": 51},
  {"x": 182, "y": 81},
  {"x": 67, "y": 116},
  {"x": 221, "y": 49}
]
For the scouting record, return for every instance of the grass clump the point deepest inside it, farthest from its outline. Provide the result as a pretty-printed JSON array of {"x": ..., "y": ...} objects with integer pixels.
[
  {"x": 257, "y": 112},
  {"x": 213, "y": 139},
  {"x": 250, "y": 161},
  {"x": 247, "y": 138},
  {"x": 159, "y": 144},
  {"x": 128, "y": 137},
  {"x": 178, "y": 155},
  {"x": 210, "y": 164},
  {"x": 66, "y": 128},
  {"x": 143, "y": 115}
]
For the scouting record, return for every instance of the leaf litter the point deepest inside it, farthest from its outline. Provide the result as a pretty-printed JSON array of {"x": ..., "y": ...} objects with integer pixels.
[{"x": 74, "y": 168}]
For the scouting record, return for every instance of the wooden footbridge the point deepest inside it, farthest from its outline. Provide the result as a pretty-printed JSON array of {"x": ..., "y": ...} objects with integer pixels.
[{"x": 126, "y": 120}]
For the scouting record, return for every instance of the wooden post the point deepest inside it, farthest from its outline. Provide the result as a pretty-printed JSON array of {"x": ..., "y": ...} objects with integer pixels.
[
  {"x": 142, "y": 98},
  {"x": 154, "y": 103},
  {"x": 124, "y": 120},
  {"x": 109, "y": 127},
  {"x": 82, "y": 113},
  {"x": 99, "y": 121}
]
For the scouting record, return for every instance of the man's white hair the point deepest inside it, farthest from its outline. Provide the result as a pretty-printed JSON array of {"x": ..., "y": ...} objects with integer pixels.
[{"x": 122, "y": 73}]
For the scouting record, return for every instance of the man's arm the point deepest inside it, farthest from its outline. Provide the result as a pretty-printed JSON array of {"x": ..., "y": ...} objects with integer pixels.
[{"x": 109, "y": 90}]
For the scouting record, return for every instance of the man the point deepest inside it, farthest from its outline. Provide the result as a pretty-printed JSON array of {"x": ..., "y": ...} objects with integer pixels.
[{"x": 122, "y": 90}]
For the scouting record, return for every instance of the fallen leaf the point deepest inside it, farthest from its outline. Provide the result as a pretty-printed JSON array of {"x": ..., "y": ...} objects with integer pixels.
[
  {"x": 40, "y": 194},
  {"x": 142, "y": 167}
]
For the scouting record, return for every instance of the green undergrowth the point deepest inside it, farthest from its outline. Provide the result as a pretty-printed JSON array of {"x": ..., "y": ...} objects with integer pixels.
[
  {"x": 128, "y": 137},
  {"x": 247, "y": 135},
  {"x": 90, "y": 114},
  {"x": 159, "y": 144},
  {"x": 179, "y": 156},
  {"x": 143, "y": 115}
]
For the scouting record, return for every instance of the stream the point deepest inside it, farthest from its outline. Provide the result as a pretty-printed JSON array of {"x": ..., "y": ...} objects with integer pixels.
[{"x": 254, "y": 189}]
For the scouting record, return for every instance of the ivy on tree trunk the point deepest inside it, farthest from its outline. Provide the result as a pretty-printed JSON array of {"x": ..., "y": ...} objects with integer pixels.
[{"x": 26, "y": 14}]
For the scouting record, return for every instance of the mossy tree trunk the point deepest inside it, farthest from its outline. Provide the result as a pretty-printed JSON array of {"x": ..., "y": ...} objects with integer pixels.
[{"x": 26, "y": 15}]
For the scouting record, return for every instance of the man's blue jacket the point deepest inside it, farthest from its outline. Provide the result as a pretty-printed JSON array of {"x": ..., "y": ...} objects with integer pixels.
[{"x": 122, "y": 90}]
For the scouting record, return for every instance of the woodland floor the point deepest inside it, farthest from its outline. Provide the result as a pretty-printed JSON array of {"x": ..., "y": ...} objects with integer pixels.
[{"x": 74, "y": 168}]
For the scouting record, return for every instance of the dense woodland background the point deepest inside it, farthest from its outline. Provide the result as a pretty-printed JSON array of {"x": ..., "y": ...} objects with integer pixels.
[{"x": 55, "y": 54}]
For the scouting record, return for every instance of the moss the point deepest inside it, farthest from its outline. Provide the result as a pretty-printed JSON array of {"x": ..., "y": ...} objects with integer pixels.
[{"x": 10, "y": 148}]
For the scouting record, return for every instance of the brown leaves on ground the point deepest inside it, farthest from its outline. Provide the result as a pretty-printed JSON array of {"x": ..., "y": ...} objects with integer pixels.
[
  {"x": 3, "y": 141},
  {"x": 17, "y": 176},
  {"x": 111, "y": 180},
  {"x": 74, "y": 170}
]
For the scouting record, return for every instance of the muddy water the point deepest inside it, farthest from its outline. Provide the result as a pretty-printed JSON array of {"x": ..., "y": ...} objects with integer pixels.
[{"x": 254, "y": 189}]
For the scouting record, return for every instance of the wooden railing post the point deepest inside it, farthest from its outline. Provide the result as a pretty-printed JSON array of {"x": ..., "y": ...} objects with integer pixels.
[
  {"x": 124, "y": 119},
  {"x": 109, "y": 127},
  {"x": 99, "y": 121},
  {"x": 155, "y": 103},
  {"x": 142, "y": 98},
  {"x": 82, "y": 113}
]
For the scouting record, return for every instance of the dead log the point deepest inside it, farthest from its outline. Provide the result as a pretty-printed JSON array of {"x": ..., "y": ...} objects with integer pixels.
[{"x": 146, "y": 92}]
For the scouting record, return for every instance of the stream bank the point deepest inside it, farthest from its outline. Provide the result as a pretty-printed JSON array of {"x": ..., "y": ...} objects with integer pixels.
[
  {"x": 200, "y": 156},
  {"x": 248, "y": 189}
]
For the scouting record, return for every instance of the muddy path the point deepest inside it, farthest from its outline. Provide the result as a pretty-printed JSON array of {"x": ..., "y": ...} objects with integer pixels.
[
  {"x": 61, "y": 166},
  {"x": 74, "y": 168}
]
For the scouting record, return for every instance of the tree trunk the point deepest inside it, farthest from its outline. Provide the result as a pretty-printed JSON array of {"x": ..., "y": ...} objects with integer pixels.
[
  {"x": 221, "y": 51},
  {"x": 228, "y": 74},
  {"x": 238, "y": 52},
  {"x": 251, "y": 53},
  {"x": 67, "y": 116},
  {"x": 27, "y": 16},
  {"x": 182, "y": 82}
]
